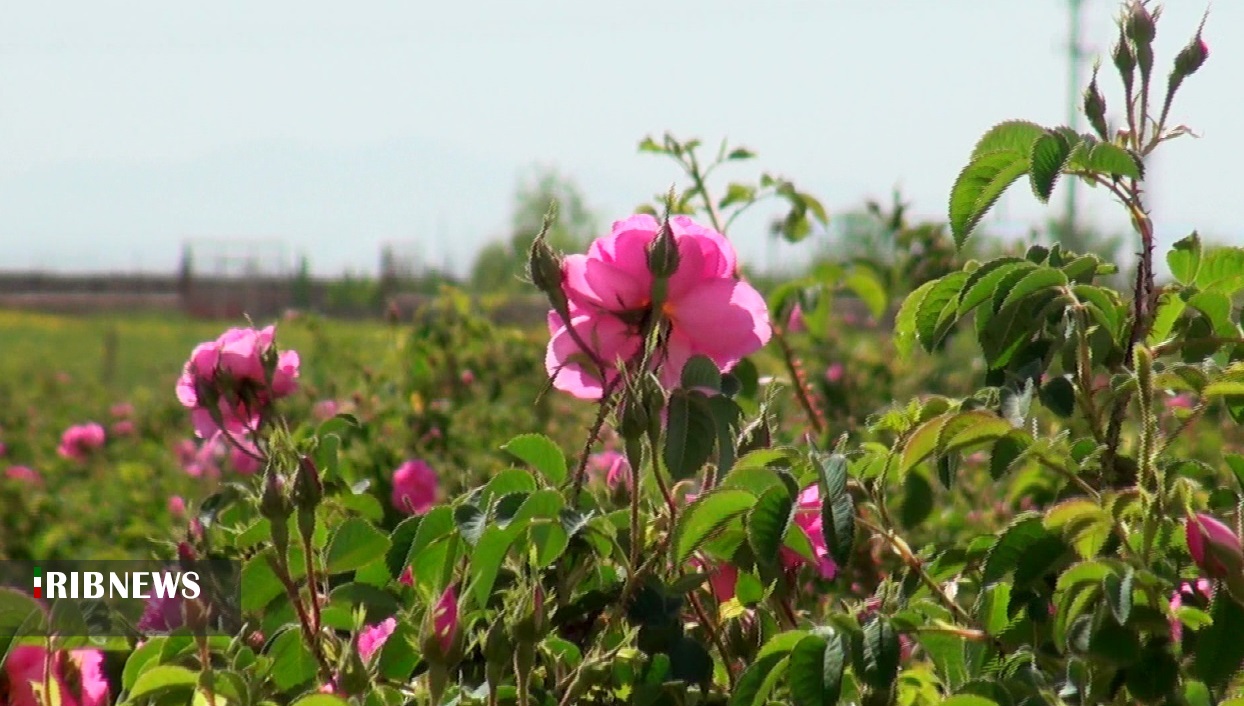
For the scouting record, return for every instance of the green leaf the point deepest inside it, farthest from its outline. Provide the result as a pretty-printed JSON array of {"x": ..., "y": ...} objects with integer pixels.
[
  {"x": 967, "y": 429},
  {"x": 1111, "y": 159},
  {"x": 1059, "y": 396},
  {"x": 922, "y": 443},
  {"x": 143, "y": 657},
  {"x": 917, "y": 500},
  {"x": 701, "y": 372},
  {"x": 1220, "y": 651},
  {"x": 983, "y": 282},
  {"x": 1049, "y": 154},
  {"x": 768, "y": 521},
  {"x": 838, "y": 527},
  {"x": 979, "y": 185},
  {"x": 938, "y": 310},
  {"x": 539, "y": 452},
  {"x": 1184, "y": 259},
  {"x": 165, "y": 677},
  {"x": 707, "y": 516},
  {"x": 869, "y": 289},
  {"x": 1118, "y": 592},
  {"x": 1025, "y": 540},
  {"x": 486, "y": 559},
  {"x": 1170, "y": 307},
  {"x": 1041, "y": 278},
  {"x": 968, "y": 700},
  {"x": 355, "y": 544},
  {"x": 690, "y": 434},
  {"x": 292, "y": 661},
  {"x": 1216, "y": 307},
  {"x": 815, "y": 670},
  {"x": 1011, "y": 136},
  {"x": 321, "y": 700},
  {"x": 759, "y": 679},
  {"x": 905, "y": 321},
  {"x": 726, "y": 415},
  {"x": 1006, "y": 451},
  {"x": 1222, "y": 270},
  {"x": 881, "y": 653}
]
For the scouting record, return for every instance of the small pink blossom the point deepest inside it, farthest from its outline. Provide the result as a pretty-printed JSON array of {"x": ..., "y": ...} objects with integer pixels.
[
  {"x": 467, "y": 377},
  {"x": 808, "y": 519},
  {"x": 1181, "y": 401},
  {"x": 612, "y": 467},
  {"x": 834, "y": 373},
  {"x": 125, "y": 427},
  {"x": 414, "y": 487},
  {"x": 122, "y": 410},
  {"x": 325, "y": 410},
  {"x": 176, "y": 506},
  {"x": 373, "y": 637},
  {"x": 1214, "y": 546},
  {"x": 1199, "y": 590},
  {"x": 80, "y": 441},
  {"x": 225, "y": 382},
  {"x": 795, "y": 322},
  {"x": 25, "y": 474},
  {"x": 610, "y": 291},
  {"x": 408, "y": 577}
]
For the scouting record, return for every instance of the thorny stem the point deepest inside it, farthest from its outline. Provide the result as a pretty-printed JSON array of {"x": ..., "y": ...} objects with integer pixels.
[
  {"x": 1084, "y": 368},
  {"x": 312, "y": 638},
  {"x": 802, "y": 391},
  {"x": 606, "y": 404},
  {"x": 714, "y": 635},
  {"x": 916, "y": 565}
]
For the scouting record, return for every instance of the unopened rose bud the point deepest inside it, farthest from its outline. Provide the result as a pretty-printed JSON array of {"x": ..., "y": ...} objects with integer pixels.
[
  {"x": 1190, "y": 58},
  {"x": 185, "y": 552},
  {"x": 1214, "y": 546},
  {"x": 545, "y": 268},
  {"x": 1139, "y": 24},
  {"x": 663, "y": 256},
  {"x": 273, "y": 504},
  {"x": 308, "y": 490},
  {"x": 1095, "y": 108},
  {"x": 440, "y": 641},
  {"x": 1124, "y": 61}
]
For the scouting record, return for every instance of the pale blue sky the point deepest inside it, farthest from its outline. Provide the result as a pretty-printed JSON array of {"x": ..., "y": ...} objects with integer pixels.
[{"x": 333, "y": 127}]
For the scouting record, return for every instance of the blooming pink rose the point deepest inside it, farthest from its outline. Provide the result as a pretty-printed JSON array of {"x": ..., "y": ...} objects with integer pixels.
[
  {"x": 612, "y": 466},
  {"x": 1199, "y": 590},
  {"x": 162, "y": 614},
  {"x": 808, "y": 519},
  {"x": 230, "y": 371},
  {"x": 711, "y": 312},
  {"x": 1214, "y": 546},
  {"x": 24, "y": 474},
  {"x": 445, "y": 619},
  {"x": 80, "y": 441},
  {"x": 414, "y": 487},
  {"x": 75, "y": 675},
  {"x": 373, "y": 637}
]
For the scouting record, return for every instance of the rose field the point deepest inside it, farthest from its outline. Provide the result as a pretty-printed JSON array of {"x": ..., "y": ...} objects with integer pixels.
[{"x": 944, "y": 468}]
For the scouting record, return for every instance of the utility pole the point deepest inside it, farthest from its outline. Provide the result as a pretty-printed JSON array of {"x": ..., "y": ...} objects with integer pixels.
[{"x": 1074, "y": 54}]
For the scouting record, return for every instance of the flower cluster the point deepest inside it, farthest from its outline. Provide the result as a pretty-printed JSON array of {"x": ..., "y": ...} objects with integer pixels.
[
  {"x": 613, "y": 296},
  {"x": 229, "y": 383}
]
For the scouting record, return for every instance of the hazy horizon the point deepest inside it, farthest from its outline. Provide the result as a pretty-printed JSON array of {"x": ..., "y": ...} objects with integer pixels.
[{"x": 334, "y": 130}]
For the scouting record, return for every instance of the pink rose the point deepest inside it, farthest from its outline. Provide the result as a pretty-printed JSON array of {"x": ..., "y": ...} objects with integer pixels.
[
  {"x": 225, "y": 382},
  {"x": 414, "y": 487},
  {"x": 124, "y": 427},
  {"x": 808, "y": 519},
  {"x": 176, "y": 506},
  {"x": 834, "y": 373},
  {"x": 612, "y": 466},
  {"x": 610, "y": 292},
  {"x": 325, "y": 409},
  {"x": 373, "y": 637},
  {"x": 122, "y": 410},
  {"x": 795, "y": 322},
  {"x": 76, "y": 675},
  {"x": 80, "y": 441}
]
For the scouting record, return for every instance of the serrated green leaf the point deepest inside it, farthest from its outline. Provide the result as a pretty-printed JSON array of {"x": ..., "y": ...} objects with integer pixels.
[
  {"x": 690, "y": 434},
  {"x": 1170, "y": 307},
  {"x": 1222, "y": 270},
  {"x": 1184, "y": 259},
  {"x": 881, "y": 653},
  {"x": 1011, "y": 135},
  {"x": 1118, "y": 592},
  {"x": 767, "y": 522},
  {"x": 539, "y": 452},
  {"x": 937, "y": 311},
  {"x": 983, "y": 282},
  {"x": 865, "y": 284},
  {"x": 701, "y": 372},
  {"x": 979, "y": 185},
  {"x": 163, "y": 678},
  {"x": 815, "y": 670},
  {"x": 1041, "y": 278},
  {"x": 1059, "y": 396},
  {"x": 707, "y": 516},
  {"x": 905, "y": 336},
  {"x": 1220, "y": 651},
  {"x": 1026, "y": 540},
  {"x": 356, "y": 543},
  {"x": 1049, "y": 153},
  {"x": 1006, "y": 451},
  {"x": 1107, "y": 158}
]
